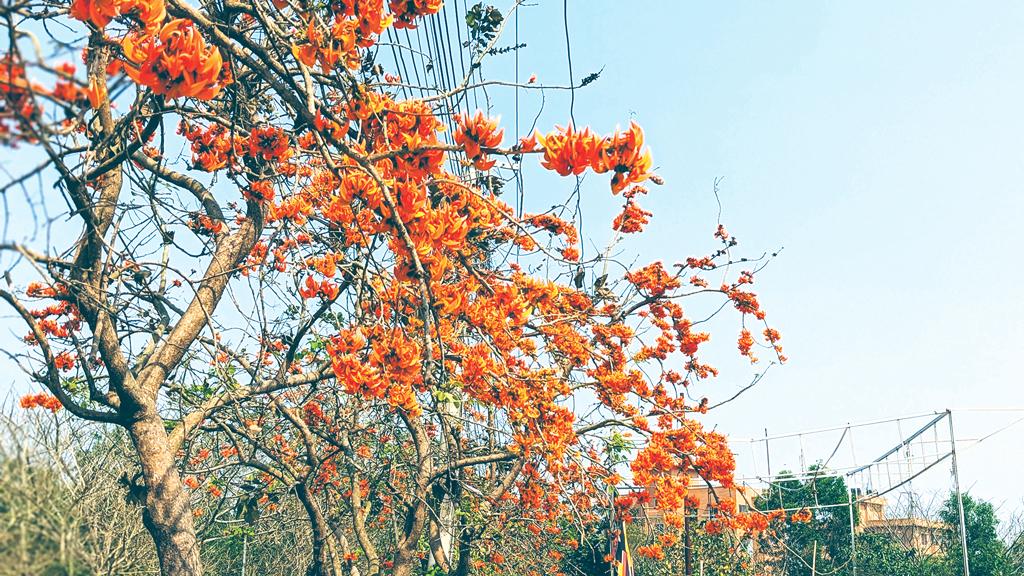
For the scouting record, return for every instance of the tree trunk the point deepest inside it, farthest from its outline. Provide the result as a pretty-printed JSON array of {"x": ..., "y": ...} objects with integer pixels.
[
  {"x": 405, "y": 563},
  {"x": 168, "y": 512},
  {"x": 325, "y": 561}
]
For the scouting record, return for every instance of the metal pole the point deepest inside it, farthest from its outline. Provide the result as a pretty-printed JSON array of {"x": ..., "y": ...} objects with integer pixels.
[
  {"x": 688, "y": 556},
  {"x": 814, "y": 560},
  {"x": 853, "y": 530},
  {"x": 612, "y": 542},
  {"x": 959, "y": 496}
]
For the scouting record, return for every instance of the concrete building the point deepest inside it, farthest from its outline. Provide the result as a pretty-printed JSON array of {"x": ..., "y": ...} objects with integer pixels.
[
  {"x": 709, "y": 499},
  {"x": 919, "y": 534}
]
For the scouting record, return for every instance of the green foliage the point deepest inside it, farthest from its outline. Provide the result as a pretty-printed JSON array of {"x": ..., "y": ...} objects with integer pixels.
[
  {"x": 588, "y": 558},
  {"x": 823, "y": 541},
  {"x": 880, "y": 554},
  {"x": 719, "y": 554},
  {"x": 987, "y": 554},
  {"x": 483, "y": 22}
]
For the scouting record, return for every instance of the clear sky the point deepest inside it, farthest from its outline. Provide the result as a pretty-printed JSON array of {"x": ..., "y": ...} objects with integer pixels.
[{"x": 880, "y": 144}]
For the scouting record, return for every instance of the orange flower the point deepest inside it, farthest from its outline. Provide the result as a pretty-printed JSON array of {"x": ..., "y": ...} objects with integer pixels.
[
  {"x": 364, "y": 104},
  {"x": 64, "y": 361},
  {"x": 527, "y": 143},
  {"x": 149, "y": 13},
  {"x": 476, "y": 133},
  {"x": 325, "y": 289},
  {"x": 96, "y": 94},
  {"x": 654, "y": 551},
  {"x": 567, "y": 151},
  {"x": 211, "y": 147},
  {"x": 41, "y": 400},
  {"x": 407, "y": 11},
  {"x": 624, "y": 154},
  {"x": 653, "y": 279},
  {"x": 259, "y": 191},
  {"x": 631, "y": 219},
  {"x": 177, "y": 63},
  {"x": 372, "y": 21},
  {"x": 329, "y": 49},
  {"x": 745, "y": 344},
  {"x": 269, "y": 143}
]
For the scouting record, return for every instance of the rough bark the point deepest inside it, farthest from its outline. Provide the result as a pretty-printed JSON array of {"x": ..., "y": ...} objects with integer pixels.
[
  {"x": 167, "y": 514},
  {"x": 325, "y": 560}
]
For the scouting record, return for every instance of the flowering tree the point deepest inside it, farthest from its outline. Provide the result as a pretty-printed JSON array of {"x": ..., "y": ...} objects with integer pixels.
[{"x": 325, "y": 291}]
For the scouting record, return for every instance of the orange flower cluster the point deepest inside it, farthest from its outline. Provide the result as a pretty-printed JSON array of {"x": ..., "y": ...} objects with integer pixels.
[
  {"x": 204, "y": 225},
  {"x": 41, "y": 400},
  {"x": 329, "y": 49},
  {"x": 475, "y": 133},
  {"x": 260, "y": 191},
  {"x": 211, "y": 146},
  {"x": 356, "y": 24},
  {"x": 16, "y": 105},
  {"x": 64, "y": 361},
  {"x": 748, "y": 522},
  {"x": 388, "y": 369},
  {"x": 269, "y": 143},
  {"x": 371, "y": 21},
  {"x": 554, "y": 225},
  {"x": 745, "y": 302},
  {"x": 632, "y": 219},
  {"x": 567, "y": 151},
  {"x": 177, "y": 62},
  {"x": 148, "y": 14},
  {"x": 745, "y": 343},
  {"x": 48, "y": 320},
  {"x": 407, "y": 11},
  {"x": 652, "y": 551},
  {"x": 65, "y": 88},
  {"x": 802, "y": 516},
  {"x": 40, "y": 290},
  {"x": 324, "y": 289},
  {"x": 624, "y": 155},
  {"x": 653, "y": 280}
]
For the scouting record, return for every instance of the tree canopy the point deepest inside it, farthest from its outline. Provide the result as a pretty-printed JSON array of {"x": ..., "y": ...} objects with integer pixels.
[{"x": 287, "y": 272}]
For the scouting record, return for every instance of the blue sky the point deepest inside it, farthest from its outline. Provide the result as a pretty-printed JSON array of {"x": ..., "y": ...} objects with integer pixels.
[{"x": 879, "y": 143}]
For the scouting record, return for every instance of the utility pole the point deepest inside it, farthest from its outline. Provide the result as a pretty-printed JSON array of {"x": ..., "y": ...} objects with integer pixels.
[
  {"x": 959, "y": 496},
  {"x": 814, "y": 560},
  {"x": 245, "y": 550},
  {"x": 853, "y": 530},
  {"x": 688, "y": 559}
]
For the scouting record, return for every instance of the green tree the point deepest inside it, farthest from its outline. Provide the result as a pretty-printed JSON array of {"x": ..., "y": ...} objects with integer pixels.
[
  {"x": 824, "y": 540},
  {"x": 985, "y": 550},
  {"x": 880, "y": 554}
]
